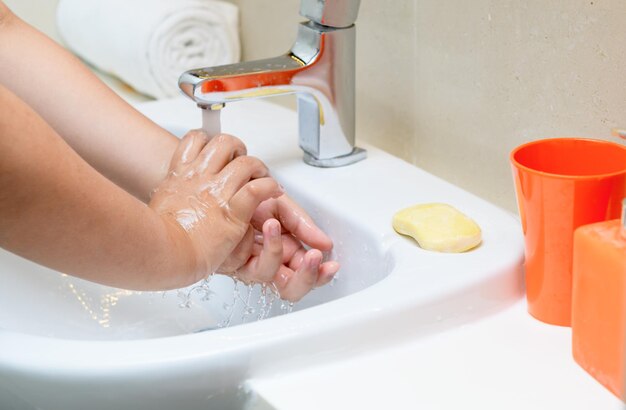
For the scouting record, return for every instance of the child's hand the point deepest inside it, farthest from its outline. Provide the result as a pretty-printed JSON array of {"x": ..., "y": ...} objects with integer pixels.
[
  {"x": 278, "y": 255},
  {"x": 210, "y": 194}
]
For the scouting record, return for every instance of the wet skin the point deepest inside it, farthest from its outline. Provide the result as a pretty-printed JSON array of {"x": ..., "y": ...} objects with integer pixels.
[{"x": 78, "y": 164}]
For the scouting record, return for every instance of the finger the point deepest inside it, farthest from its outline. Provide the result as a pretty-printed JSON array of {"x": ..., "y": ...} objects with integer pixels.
[
  {"x": 296, "y": 259},
  {"x": 327, "y": 272},
  {"x": 271, "y": 257},
  {"x": 240, "y": 171},
  {"x": 240, "y": 255},
  {"x": 301, "y": 225},
  {"x": 294, "y": 219},
  {"x": 293, "y": 286},
  {"x": 290, "y": 246},
  {"x": 218, "y": 152},
  {"x": 188, "y": 149},
  {"x": 263, "y": 268},
  {"x": 247, "y": 199},
  {"x": 327, "y": 269}
]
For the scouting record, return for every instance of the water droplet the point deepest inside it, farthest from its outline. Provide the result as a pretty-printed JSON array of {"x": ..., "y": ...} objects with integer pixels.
[{"x": 252, "y": 301}]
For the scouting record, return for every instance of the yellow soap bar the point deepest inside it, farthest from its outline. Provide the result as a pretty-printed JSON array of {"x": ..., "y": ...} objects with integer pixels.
[{"x": 438, "y": 227}]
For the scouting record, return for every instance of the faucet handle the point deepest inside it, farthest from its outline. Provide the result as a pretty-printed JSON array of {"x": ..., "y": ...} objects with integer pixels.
[{"x": 331, "y": 13}]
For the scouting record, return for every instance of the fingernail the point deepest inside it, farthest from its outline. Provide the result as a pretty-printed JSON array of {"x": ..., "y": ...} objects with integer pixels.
[
  {"x": 275, "y": 229},
  {"x": 282, "y": 280},
  {"x": 258, "y": 238},
  {"x": 315, "y": 260}
]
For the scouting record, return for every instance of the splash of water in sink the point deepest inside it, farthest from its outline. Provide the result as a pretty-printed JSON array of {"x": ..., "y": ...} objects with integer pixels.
[{"x": 250, "y": 308}]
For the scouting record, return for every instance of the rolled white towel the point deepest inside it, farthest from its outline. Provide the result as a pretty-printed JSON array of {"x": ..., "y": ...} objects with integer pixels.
[{"x": 149, "y": 43}]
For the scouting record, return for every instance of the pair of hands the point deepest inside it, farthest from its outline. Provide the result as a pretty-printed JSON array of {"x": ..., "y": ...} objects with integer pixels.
[{"x": 238, "y": 220}]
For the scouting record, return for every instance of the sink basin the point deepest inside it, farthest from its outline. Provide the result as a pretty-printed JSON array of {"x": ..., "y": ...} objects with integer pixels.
[
  {"x": 72, "y": 308},
  {"x": 69, "y": 344}
]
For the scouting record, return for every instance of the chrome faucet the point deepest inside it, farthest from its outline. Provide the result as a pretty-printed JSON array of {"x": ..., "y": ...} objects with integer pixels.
[{"x": 319, "y": 69}]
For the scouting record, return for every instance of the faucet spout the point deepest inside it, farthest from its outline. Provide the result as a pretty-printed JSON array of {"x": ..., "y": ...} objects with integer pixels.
[
  {"x": 236, "y": 82},
  {"x": 319, "y": 69}
]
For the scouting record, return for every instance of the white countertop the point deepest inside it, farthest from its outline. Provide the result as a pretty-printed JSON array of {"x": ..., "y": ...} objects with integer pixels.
[{"x": 506, "y": 361}]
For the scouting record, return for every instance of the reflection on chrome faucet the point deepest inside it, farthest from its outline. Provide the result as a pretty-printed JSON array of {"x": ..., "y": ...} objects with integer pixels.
[{"x": 319, "y": 69}]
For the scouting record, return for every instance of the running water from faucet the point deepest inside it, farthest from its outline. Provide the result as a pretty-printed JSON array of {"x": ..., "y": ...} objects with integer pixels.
[{"x": 211, "y": 121}]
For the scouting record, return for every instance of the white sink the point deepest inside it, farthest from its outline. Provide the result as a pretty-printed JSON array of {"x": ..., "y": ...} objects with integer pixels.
[{"x": 69, "y": 344}]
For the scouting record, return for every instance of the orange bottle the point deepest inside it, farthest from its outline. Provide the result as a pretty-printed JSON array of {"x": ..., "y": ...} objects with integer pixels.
[{"x": 599, "y": 302}]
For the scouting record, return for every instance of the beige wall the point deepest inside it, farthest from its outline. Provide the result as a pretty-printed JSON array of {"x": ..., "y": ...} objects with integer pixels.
[{"x": 453, "y": 86}]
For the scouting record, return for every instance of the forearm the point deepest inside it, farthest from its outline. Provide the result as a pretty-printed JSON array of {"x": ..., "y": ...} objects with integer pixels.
[
  {"x": 102, "y": 128},
  {"x": 57, "y": 210}
]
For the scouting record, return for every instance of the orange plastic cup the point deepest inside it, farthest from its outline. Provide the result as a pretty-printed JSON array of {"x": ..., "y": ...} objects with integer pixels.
[{"x": 561, "y": 184}]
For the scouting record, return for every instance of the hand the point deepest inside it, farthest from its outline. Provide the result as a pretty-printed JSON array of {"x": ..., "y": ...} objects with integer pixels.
[
  {"x": 211, "y": 194},
  {"x": 277, "y": 254}
]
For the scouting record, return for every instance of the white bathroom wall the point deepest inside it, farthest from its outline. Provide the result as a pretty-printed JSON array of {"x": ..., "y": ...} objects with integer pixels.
[{"x": 452, "y": 86}]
